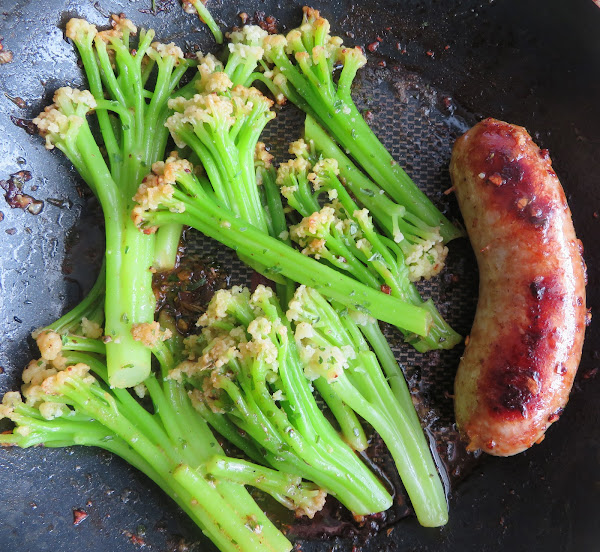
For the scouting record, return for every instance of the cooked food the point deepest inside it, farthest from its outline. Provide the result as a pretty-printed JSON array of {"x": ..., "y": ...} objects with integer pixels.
[
  {"x": 344, "y": 235},
  {"x": 253, "y": 373},
  {"x": 300, "y": 67},
  {"x": 525, "y": 345}
]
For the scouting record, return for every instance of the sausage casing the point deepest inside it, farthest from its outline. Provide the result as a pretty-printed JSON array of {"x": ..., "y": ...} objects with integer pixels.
[{"x": 525, "y": 345}]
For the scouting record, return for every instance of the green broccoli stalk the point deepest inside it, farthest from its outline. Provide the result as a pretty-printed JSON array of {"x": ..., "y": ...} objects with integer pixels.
[
  {"x": 67, "y": 401},
  {"x": 300, "y": 67},
  {"x": 422, "y": 245},
  {"x": 222, "y": 128},
  {"x": 333, "y": 348},
  {"x": 343, "y": 236},
  {"x": 174, "y": 194},
  {"x": 306, "y": 499},
  {"x": 131, "y": 114},
  {"x": 244, "y": 367},
  {"x": 270, "y": 198},
  {"x": 199, "y": 7}
]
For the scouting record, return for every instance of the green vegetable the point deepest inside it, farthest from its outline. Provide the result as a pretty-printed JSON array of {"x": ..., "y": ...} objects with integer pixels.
[
  {"x": 222, "y": 128},
  {"x": 129, "y": 91},
  {"x": 199, "y": 6},
  {"x": 300, "y": 67},
  {"x": 220, "y": 121},
  {"x": 413, "y": 236},
  {"x": 176, "y": 195},
  {"x": 245, "y": 367},
  {"x": 334, "y": 351},
  {"x": 289, "y": 490},
  {"x": 91, "y": 309},
  {"x": 342, "y": 235},
  {"x": 67, "y": 401}
]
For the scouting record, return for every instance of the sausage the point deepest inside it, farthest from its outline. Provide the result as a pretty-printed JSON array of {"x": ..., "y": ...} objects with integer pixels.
[{"x": 523, "y": 351}]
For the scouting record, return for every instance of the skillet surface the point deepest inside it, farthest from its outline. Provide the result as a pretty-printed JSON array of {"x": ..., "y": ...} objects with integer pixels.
[{"x": 531, "y": 64}]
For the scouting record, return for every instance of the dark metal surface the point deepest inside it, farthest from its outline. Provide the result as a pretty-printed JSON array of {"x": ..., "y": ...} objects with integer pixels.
[{"x": 447, "y": 63}]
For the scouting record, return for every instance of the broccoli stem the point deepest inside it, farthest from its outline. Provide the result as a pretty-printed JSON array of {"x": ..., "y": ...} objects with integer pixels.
[
  {"x": 408, "y": 446},
  {"x": 197, "y": 444},
  {"x": 129, "y": 254},
  {"x": 85, "y": 47},
  {"x": 53, "y": 434},
  {"x": 156, "y": 136},
  {"x": 287, "y": 489},
  {"x": 222, "y": 225},
  {"x": 390, "y": 216},
  {"x": 194, "y": 434},
  {"x": 278, "y": 228},
  {"x": 226, "y": 428},
  {"x": 392, "y": 371},
  {"x": 363, "y": 386},
  {"x": 84, "y": 344},
  {"x": 227, "y": 153},
  {"x": 229, "y": 534},
  {"x": 315, "y": 455},
  {"x": 336, "y": 112},
  {"x": 228, "y": 156},
  {"x": 91, "y": 307},
  {"x": 366, "y": 191},
  {"x": 351, "y": 429},
  {"x": 167, "y": 247},
  {"x": 206, "y": 17}
]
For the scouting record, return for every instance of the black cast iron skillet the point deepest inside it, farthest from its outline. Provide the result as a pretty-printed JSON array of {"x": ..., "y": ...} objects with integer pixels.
[{"x": 532, "y": 63}]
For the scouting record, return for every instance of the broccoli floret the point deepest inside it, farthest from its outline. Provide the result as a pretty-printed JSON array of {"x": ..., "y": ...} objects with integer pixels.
[
  {"x": 344, "y": 236},
  {"x": 129, "y": 91},
  {"x": 66, "y": 400},
  {"x": 426, "y": 258},
  {"x": 245, "y": 367},
  {"x": 337, "y": 356},
  {"x": 300, "y": 67},
  {"x": 422, "y": 245},
  {"x": 222, "y": 127}
]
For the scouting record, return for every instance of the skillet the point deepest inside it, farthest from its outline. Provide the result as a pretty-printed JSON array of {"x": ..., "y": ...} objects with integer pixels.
[{"x": 531, "y": 63}]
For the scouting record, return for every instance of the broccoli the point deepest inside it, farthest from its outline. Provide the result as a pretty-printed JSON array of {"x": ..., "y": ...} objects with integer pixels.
[
  {"x": 422, "y": 245},
  {"x": 335, "y": 353},
  {"x": 250, "y": 381},
  {"x": 67, "y": 401},
  {"x": 222, "y": 128},
  {"x": 344, "y": 236},
  {"x": 245, "y": 53},
  {"x": 199, "y": 7},
  {"x": 174, "y": 194},
  {"x": 300, "y": 67},
  {"x": 220, "y": 120},
  {"x": 129, "y": 91},
  {"x": 245, "y": 367}
]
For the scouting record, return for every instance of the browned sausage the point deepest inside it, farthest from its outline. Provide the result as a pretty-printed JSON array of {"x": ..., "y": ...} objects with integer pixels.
[{"x": 525, "y": 345}]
